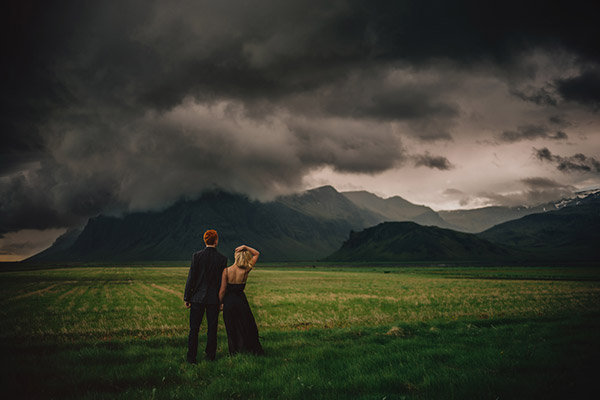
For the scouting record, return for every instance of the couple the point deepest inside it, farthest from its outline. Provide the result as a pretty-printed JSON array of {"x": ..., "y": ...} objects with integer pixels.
[{"x": 212, "y": 286}]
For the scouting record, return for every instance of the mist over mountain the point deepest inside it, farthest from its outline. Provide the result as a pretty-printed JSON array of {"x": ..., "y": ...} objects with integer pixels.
[
  {"x": 396, "y": 209},
  {"x": 326, "y": 202},
  {"x": 480, "y": 219}
]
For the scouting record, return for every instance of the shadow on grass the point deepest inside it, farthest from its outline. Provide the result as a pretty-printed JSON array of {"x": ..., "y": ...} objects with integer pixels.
[{"x": 496, "y": 358}]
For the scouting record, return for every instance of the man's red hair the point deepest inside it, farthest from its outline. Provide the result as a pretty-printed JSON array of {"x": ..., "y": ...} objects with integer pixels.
[{"x": 210, "y": 237}]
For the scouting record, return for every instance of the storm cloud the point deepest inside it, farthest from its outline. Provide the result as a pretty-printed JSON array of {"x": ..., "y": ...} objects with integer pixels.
[
  {"x": 431, "y": 161},
  {"x": 531, "y": 132},
  {"x": 540, "y": 96},
  {"x": 110, "y": 107},
  {"x": 584, "y": 88},
  {"x": 576, "y": 163}
]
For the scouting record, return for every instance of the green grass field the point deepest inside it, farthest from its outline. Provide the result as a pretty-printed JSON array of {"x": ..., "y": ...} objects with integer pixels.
[{"x": 329, "y": 333}]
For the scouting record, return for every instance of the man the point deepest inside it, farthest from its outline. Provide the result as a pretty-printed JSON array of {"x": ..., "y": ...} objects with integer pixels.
[{"x": 202, "y": 295}]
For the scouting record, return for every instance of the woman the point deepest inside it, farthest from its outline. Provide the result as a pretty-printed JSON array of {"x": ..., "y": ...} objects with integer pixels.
[{"x": 242, "y": 333}]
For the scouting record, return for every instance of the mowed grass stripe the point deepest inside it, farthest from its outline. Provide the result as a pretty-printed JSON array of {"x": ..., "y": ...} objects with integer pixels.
[
  {"x": 38, "y": 292},
  {"x": 179, "y": 294},
  {"x": 9, "y": 290}
]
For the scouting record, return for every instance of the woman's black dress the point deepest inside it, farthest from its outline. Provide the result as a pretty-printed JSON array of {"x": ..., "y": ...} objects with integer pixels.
[{"x": 242, "y": 332}]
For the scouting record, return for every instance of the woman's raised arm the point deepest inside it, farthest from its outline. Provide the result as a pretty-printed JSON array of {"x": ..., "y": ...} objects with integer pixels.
[{"x": 255, "y": 253}]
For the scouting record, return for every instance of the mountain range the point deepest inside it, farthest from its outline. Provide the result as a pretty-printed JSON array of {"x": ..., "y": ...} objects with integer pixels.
[
  {"x": 310, "y": 226},
  {"x": 569, "y": 234}
]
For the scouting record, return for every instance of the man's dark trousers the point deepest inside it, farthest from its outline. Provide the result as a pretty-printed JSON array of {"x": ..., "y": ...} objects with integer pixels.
[{"x": 212, "y": 318}]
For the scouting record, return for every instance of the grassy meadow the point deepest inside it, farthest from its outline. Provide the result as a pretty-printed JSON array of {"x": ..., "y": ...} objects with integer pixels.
[{"x": 105, "y": 332}]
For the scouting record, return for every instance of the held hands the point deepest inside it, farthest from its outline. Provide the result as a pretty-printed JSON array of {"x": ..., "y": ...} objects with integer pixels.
[
  {"x": 188, "y": 305},
  {"x": 240, "y": 248}
]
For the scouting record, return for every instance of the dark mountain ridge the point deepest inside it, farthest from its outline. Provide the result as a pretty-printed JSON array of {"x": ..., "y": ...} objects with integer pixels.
[
  {"x": 571, "y": 233},
  {"x": 408, "y": 241},
  {"x": 175, "y": 233}
]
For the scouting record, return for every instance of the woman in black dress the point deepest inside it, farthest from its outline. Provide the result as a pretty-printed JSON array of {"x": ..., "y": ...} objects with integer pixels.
[{"x": 242, "y": 333}]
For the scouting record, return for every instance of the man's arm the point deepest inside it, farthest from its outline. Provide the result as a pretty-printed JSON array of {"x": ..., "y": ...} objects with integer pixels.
[{"x": 191, "y": 279}]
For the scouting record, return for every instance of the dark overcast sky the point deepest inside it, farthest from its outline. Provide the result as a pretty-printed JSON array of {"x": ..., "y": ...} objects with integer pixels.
[{"x": 129, "y": 105}]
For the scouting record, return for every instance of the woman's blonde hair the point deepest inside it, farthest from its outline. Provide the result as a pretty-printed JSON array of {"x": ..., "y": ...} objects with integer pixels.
[{"x": 243, "y": 259}]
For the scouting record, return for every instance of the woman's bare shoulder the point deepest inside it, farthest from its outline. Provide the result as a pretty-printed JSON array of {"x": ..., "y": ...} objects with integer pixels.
[{"x": 227, "y": 270}]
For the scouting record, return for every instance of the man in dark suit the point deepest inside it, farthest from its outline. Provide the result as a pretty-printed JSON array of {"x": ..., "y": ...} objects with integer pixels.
[{"x": 202, "y": 294}]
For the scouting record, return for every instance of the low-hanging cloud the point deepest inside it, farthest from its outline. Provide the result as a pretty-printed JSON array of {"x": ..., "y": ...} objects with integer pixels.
[
  {"x": 531, "y": 191},
  {"x": 534, "y": 191},
  {"x": 456, "y": 194},
  {"x": 161, "y": 157},
  {"x": 52, "y": 195},
  {"x": 542, "y": 183}
]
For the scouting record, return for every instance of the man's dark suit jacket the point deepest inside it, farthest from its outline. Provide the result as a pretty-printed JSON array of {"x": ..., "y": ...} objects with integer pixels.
[{"x": 204, "y": 279}]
